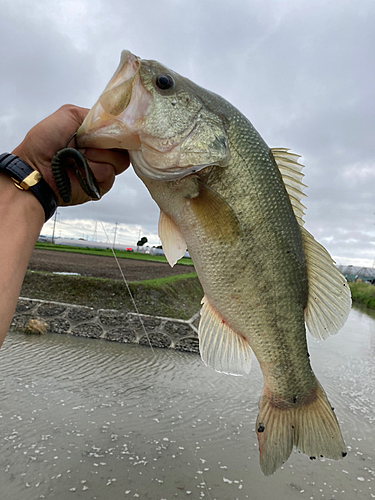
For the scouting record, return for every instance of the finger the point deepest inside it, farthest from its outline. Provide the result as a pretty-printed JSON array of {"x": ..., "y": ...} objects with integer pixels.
[
  {"x": 76, "y": 112},
  {"x": 104, "y": 174},
  {"x": 118, "y": 159}
]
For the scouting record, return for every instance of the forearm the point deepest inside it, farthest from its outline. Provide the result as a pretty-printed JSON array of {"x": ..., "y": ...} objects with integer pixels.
[{"x": 21, "y": 217}]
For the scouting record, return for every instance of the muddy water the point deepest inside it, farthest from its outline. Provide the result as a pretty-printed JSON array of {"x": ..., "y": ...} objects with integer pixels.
[{"x": 89, "y": 419}]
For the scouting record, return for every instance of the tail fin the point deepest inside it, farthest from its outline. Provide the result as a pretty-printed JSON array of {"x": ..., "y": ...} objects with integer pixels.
[{"x": 312, "y": 428}]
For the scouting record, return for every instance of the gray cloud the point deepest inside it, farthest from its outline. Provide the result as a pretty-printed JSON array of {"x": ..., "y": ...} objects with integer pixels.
[{"x": 302, "y": 72}]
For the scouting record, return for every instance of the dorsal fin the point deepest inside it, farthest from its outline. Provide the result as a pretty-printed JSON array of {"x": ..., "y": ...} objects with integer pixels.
[
  {"x": 173, "y": 242},
  {"x": 329, "y": 299},
  {"x": 221, "y": 348},
  {"x": 291, "y": 172}
]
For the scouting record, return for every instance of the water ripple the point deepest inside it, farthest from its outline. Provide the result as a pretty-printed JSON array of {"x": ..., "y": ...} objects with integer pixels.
[{"x": 100, "y": 419}]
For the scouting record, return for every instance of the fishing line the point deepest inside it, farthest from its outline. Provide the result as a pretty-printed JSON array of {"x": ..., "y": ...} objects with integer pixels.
[
  {"x": 154, "y": 354},
  {"x": 129, "y": 291}
]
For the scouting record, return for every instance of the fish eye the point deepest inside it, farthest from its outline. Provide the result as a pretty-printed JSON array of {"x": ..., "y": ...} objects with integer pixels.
[{"x": 164, "y": 81}]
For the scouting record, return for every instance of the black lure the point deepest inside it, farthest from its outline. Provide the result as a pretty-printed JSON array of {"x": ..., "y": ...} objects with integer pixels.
[{"x": 71, "y": 158}]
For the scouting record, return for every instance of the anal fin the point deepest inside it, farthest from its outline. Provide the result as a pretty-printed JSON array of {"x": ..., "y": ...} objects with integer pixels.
[{"x": 220, "y": 347}]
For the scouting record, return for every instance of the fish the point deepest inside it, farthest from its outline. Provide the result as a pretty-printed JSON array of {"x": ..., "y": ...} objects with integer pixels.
[{"x": 235, "y": 204}]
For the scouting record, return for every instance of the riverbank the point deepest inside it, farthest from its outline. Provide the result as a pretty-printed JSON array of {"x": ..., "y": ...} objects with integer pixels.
[
  {"x": 363, "y": 293},
  {"x": 99, "y": 285},
  {"x": 174, "y": 296},
  {"x": 162, "y": 312}
]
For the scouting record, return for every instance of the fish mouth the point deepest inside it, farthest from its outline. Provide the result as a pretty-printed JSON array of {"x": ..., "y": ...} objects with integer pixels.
[
  {"x": 117, "y": 117},
  {"x": 131, "y": 114},
  {"x": 117, "y": 121}
]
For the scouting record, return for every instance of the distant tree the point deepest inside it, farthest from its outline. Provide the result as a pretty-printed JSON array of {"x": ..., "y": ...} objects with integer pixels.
[{"x": 142, "y": 241}]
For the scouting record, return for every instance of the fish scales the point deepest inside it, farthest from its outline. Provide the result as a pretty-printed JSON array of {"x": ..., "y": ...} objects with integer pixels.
[
  {"x": 272, "y": 282},
  {"x": 235, "y": 204}
]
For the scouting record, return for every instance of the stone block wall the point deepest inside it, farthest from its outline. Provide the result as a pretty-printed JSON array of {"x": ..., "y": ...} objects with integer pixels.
[{"x": 109, "y": 324}]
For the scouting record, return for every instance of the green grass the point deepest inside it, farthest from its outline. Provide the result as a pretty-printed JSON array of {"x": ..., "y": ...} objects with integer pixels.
[
  {"x": 363, "y": 293},
  {"x": 175, "y": 296},
  {"x": 107, "y": 252}
]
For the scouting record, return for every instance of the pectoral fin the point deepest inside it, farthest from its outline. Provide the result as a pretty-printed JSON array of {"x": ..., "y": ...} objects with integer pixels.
[
  {"x": 173, "y": 242},
  {"x": 220, "y": 347},
  {"x": 215, "y": 216}
]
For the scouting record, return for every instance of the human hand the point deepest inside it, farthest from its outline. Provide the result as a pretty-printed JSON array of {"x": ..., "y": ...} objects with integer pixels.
[{"x": 52, "y": 134}]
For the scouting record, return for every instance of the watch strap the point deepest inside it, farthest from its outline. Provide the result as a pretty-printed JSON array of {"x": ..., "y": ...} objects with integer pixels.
[{"x": 28, "y": 179}]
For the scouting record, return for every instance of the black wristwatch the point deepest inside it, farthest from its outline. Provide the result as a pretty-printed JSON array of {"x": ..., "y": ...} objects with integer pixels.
[{"x": 26, "y": 178}]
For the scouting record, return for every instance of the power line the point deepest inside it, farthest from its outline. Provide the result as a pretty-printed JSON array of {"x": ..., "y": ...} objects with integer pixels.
[{"x": 114, "y": 238}]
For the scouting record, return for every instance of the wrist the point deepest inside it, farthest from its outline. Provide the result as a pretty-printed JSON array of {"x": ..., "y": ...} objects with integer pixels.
[
  {"x": 25, "y": 178},
  {"x": 20, "y": 211}
]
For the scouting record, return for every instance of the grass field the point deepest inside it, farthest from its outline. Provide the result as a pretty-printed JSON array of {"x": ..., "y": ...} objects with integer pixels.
[
  {"x": 175, "y": 296},
  {"x": 363, "y": 293},
  {"x": 107, "y": 252}
]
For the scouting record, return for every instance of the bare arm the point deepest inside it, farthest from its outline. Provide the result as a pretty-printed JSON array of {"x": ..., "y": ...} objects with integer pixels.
[{"x": 22, "y": 215}]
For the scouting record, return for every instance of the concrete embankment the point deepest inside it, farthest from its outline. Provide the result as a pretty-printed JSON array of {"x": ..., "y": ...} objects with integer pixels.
[
  {"x": 162, "y": 312},
  {"x": 107, "y": 324},
  {"x": 167, "y": 309}
]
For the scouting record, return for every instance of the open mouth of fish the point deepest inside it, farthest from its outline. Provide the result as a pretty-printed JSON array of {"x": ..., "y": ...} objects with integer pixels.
[
  {"x": 119, "y": 120},
  {"x": 112, "y": 122}
]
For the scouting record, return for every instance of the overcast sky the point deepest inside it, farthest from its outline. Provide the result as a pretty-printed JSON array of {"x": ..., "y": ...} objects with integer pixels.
[{"x": 302, "y": 71}]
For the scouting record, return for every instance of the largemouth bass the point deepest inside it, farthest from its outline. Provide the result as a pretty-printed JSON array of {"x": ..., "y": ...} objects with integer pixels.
[{"x": 236, "y": 205}]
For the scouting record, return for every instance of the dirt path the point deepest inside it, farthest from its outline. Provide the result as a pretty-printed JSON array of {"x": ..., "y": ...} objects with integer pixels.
[{"x": 102, "y": 267}]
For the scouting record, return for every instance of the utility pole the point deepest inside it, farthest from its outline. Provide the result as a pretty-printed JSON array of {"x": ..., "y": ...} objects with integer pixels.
[
  {"x": 54, "y": 227},
  {"x": 96, "y": 224},
  {"x": 114, "y": 238}
]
